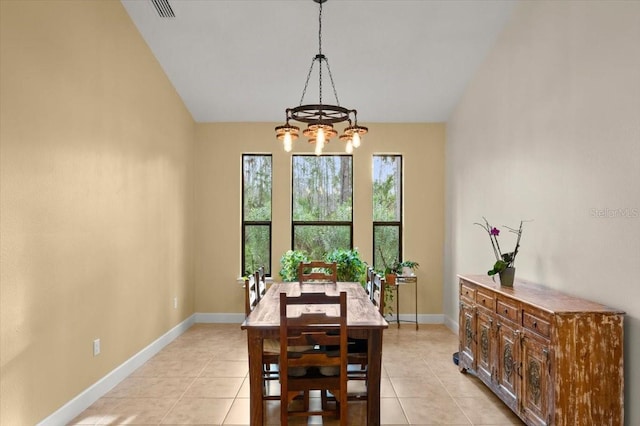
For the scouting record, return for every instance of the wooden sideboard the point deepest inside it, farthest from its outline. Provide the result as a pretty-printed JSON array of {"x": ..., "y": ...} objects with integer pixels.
[{"x": 552, "y": 358}]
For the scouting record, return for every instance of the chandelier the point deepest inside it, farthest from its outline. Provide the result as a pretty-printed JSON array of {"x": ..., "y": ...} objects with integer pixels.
[{"x": 320, "y": 117}]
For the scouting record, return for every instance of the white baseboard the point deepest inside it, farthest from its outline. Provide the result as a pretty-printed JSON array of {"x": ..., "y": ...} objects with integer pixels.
[
  {"x": 77, "y": 405},
  {"x": 452, "y": 325}
]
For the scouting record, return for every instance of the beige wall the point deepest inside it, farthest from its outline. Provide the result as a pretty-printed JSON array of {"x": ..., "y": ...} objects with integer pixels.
[
  {"x": 219, "y": 149},
  {"x": 96, "y": 200},
  {"x": 113, "y": 201},
  {"x": 549, "y": 130}
]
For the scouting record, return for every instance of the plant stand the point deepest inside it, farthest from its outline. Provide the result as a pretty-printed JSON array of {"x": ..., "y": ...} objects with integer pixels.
[{"x": 402, "y": 281}]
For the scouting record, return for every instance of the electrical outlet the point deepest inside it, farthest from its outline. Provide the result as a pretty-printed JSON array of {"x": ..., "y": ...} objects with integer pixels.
[
  {"x": 96, "y": 347},
  {"x": 175, "y": 303}
]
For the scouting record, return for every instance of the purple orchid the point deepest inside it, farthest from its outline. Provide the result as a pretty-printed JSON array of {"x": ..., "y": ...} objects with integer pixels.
[{"x": 503, "y": 260}]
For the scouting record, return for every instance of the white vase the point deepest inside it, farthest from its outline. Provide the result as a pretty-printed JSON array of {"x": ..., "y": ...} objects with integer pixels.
[{"x": 406, "y": 271}]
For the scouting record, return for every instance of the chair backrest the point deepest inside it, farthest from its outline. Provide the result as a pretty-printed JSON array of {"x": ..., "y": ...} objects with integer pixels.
[
  {"x": 377, "y": 292},
  {"x": 370, "y": 274},
  {"x": 261, "y": 282},
  {"x": 317, "y": 271},
  {"x": 255, "y": 287},
  {"x": 324, "y": 341},
  {"x": 251, "y": 295}
]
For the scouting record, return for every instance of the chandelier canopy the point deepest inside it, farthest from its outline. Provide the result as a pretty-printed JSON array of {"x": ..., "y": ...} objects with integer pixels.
[{"x": 320, "y": 117}]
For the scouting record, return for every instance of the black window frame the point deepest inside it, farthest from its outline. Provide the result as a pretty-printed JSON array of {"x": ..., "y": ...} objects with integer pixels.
[
  {"x": 250, "y": 223},
  {"x": 395, "y": 224}
]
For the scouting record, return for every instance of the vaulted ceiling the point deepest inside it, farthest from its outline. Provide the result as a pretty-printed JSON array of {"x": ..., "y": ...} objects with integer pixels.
[{"x": 392, "y": 60}]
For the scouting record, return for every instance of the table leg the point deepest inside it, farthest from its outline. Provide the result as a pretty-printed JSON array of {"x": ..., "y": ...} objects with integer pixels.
[
  {"x": 375, "y": 373},
  {"x": 255, "y": 344}
]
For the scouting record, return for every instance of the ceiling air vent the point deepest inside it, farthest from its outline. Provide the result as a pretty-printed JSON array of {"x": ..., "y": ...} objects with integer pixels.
[{"x": 163, "y": 8}]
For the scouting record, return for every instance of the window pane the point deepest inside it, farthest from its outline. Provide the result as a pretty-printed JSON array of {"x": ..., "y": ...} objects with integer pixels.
[
  {"x": 317, "y": 240},
  {"x": 256, "y": 213},
  {"x": 257, "y": 187},
  {"x": 387, "y": 181},
  {"x": 257, "y": 244},
  {"x": 322, "y": 188},
  {"x": 386, "y": 243}
]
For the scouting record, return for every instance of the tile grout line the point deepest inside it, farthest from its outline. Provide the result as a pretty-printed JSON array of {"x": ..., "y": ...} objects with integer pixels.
[
  {"x": 185, "y": 391},
  {"x": 455, "y": 401},
  {"x": 404, "y": 412}
]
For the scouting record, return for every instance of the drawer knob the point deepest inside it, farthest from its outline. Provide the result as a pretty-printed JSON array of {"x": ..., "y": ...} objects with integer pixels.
[
  {"x": 535, "y": 324},
  {"x": 506, "y": 311}
]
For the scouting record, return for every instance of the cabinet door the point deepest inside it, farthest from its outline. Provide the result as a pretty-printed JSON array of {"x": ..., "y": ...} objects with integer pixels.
[
  {"x": 535, "y": 380},
  {"x": 508, "y": 363},
  {"x": 467, "y": 336},
  {"x": 485, "y": 346}
]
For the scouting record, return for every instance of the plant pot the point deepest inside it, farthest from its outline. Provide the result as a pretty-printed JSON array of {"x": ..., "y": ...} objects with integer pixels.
[
  {"x": 406, "y": 271},
  {"x": 390, "y": 279},
  {"x": 507, "y": 276}
]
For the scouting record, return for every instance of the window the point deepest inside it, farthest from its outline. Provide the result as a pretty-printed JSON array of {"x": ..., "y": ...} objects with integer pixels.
[
  {"x": 322, "y": 203},
  {"x": 387, "y": 210},
  {"x": 256, "y": 213}
]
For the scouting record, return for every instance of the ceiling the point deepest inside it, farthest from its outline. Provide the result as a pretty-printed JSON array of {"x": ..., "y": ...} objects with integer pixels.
[{"x": 392, "y": 60}]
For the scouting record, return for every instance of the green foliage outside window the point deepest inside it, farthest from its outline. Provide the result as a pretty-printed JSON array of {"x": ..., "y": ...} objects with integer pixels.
[{"x": 322, "y": 201}]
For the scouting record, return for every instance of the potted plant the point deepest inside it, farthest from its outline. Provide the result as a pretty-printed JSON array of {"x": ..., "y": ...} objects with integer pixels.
[
  {"x": 406, "y": 267},
  {"x": 349, "y": 266},
  {"x": 289, "y": 263},
  {"x": 504, "y": 265},
  {"x": 389, "y": 270}
]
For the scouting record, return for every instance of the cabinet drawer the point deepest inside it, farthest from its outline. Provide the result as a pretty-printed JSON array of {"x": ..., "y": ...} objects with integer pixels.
[
  {"x": 536, "y": 324},
  {"x": 467, "y": 291},
  {"x": 485, "y": 299},
  {"x": 507, "y": 309}
]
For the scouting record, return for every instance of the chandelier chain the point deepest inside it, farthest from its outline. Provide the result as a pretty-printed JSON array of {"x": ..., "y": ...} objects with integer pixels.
[
  {"x": 320, "y": 52},
  {"x": 319, "y": 57},
  {"x": 335, "y": 92},
  {"x": 306, "y": 83}
]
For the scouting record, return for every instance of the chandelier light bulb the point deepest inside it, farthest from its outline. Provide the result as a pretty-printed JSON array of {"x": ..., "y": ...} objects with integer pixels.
[
  {"x": 349, "y": 147},
  {"x": 356, "y": 140},
  {"x": 288, "y": 142},
  {"x": 320, "y": 138},
  {"x": 319, "y": 146}
]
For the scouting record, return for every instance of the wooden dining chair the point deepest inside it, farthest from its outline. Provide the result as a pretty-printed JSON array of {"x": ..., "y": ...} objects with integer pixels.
[
  {"x": 317, "y": 271},
  {"x": 369, "y": 283},
  {"x": 255, "y": 288},
  {"x": 251, "y": 294},
  {"x": 261, "y": 281},
  {"x": 312, "y": 328},
  {"x": 377, "y": 293}
]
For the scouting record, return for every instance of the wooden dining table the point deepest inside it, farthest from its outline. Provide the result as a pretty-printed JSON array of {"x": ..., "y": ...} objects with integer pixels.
[{"x": 363, "y": 322}]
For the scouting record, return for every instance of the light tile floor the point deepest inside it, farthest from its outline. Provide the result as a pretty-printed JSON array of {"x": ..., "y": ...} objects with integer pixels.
[{"x": 201, "y": 378}]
